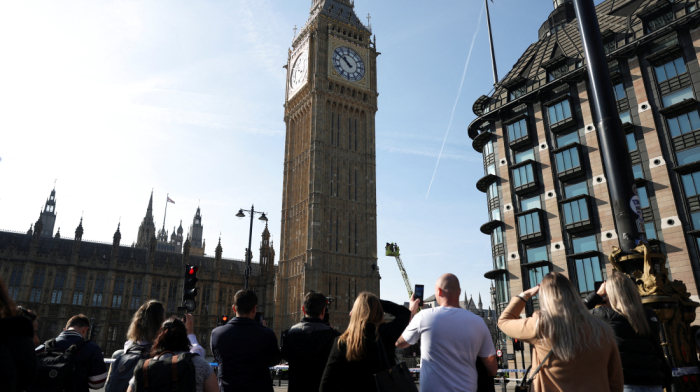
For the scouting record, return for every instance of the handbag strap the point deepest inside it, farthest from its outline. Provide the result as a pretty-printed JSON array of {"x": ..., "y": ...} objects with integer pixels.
[
  {"x": 541, "y": 363},
  {"x": 382, "y": 351}
]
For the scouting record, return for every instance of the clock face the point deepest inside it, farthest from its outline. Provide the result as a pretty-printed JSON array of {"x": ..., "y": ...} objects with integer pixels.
[
  {"x": 348, "y": 64},
  {"x": 196, "y": 221},
  {"x": 299, "y": 71}
]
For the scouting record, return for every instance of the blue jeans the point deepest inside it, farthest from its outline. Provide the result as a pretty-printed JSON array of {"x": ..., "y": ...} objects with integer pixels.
[{"x": 643, "y": 388}]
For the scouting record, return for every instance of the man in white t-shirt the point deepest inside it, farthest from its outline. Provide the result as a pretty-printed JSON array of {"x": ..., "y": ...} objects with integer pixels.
[{"x": 451, "y": 340}]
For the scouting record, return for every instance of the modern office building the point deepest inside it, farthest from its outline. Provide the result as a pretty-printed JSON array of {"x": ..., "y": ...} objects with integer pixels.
[{"x": 546, "y": 191}]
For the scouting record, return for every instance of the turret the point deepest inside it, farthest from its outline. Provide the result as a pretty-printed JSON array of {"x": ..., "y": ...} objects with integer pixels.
[
  {"x": 147, "y": 229},
  {"x": 48, "y": 215}
]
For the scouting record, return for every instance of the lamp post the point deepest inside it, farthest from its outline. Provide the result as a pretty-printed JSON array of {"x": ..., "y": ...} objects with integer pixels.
[{"x": 248, "y": 254}]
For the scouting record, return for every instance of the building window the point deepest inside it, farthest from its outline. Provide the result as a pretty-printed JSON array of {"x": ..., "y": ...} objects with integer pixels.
[
  {"x": 523, "y": 175},
  {"x": 536, "y": 274},
  {"x": 610, "y": 45},
  {"x": 524, "y": 156},
  {"x": 685, "y": 123},
  {"x": 136, "y": 294},
  {"x": 556, "y": 73},
  {"x": 15, "y": 282},
  {"x": 690, "y": 8},
  {"x": 155, "y": 290},
  {"x": 637, "y": 171},
  {"x": 588, "y": 271},
  {"x": 691, "y": 184},
  {"x": 658, "y": 21},
  {"x": 502, "y": 290},
  {"x": 688, "y": 156},
  {"x": 529, "y": 224},
  {"x": 517, "y": 93},
  {"x": 37, "y": 285},
  {"x": 537, "y": 254},
  {"x": 517, "y": 130},
  {"x": 530, "y": 203},
  {"x": 567, "y": 159},
  {"x": 678, "y": 96},
  {"x": 118, "y": 292},
  {"x": 492, "y": 191},
  {"x": 206, "y": 297},
  {"x": 585, "y": 244},
  {"x": 99, "y": 290},
  {"x": 559, "y": 112},
  {"x": 491, "y": 169},
  {"x": 488, "y": 149},
  {"x": 631, "y": 142},
  {"x": 497, "y": 236},
  {"x": 575, "y": 211},
  {"x": 567, "y": 139},
  {"x": 669, "y": 70},
  {"x": 577, "y": 189},
  {"x": 625, "y": 117},
  {"x": 79, "y": 289},
  {"x": 619, "y": 90},
  {"x": 172, "y": 292},
  {"x": 58, "y": 283},
  {"x": 496, "y": 214}
]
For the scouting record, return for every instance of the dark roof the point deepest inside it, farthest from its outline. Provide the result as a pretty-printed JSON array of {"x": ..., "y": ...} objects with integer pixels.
[
  {"x": 20, "y": 240},
  {"x": 620, "y": 20}
]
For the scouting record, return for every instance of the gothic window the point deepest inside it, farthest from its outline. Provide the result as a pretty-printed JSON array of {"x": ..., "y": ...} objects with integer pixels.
[
  {"x": 58, "y": 283},
  {"x": 336, "y": 293},
  {"x": 349, "y": 183},
  {"x": 206, "y": 297},
  {"x": 349, "y": 303},
  {"x": 332, "y": 129},
  {"x": 349, "y": 238},
  {"x": 37, "y": 285},
  {"x": 79, "y": 289},
  {"x": 136, "y": 294},
  {"x": 155, "y": 290},
  {"x": 15, "y": 281},
  {"x": 355, "y": 134},
  {"x": 172, "y": 293},
  {"x": 337, "y": 224},
  {"x": 355, "y": 235},
  {"x": 118, "y": 292},
  {"x": 355, "y": 195},
  {"x": 349, "y": 129},
  {"x": 658, "y": 20},
  {"x": 99, "y": 290}
]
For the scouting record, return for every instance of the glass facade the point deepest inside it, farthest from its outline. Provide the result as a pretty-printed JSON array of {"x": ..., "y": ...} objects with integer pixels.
[
  {"x": 524, "y": 156},
  {"x": 678, "y": 96},
  {"x": 688, "y": 156},
  {"x": 559, "y": 112},
  {"x": 567, "y": 139},
  {"x": 585, "y": 244},
  {"x": 517, "y": 130},
  {"x": 575, "y": 211},
  {"x": 572, "y": 190},
  {"x": 529, "y": 223},
  {"x": 567, "y": 159},
  {"x": 685, "y": 123},
  {"x": 530, "y": 203},
  {"x": 669, "y": 70},
  {"x": 523, "y": 175}
]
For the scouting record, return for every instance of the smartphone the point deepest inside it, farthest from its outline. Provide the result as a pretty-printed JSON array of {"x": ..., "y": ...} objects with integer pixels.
[
  {"x": 596, "y": 286},
  {"x": 181, "y": 311},
  {"x": 259, "y": 317},
  {"x": 418, "y": 292}
]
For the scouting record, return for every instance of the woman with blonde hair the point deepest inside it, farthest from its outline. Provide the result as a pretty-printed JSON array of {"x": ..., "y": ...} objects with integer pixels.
[
  {"x": 636, "y": 330},
  {"x": 355, "y": 356},
  {"x": 577, "y": 350}
]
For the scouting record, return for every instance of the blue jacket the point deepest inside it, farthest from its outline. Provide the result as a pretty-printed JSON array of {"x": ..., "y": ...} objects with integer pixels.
[
  {"x": 90, "y": 368},
  {"x": 245, "y": 350}
]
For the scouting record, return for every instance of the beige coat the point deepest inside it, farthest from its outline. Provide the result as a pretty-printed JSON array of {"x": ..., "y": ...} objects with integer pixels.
[{"x": 594, "y": 370}]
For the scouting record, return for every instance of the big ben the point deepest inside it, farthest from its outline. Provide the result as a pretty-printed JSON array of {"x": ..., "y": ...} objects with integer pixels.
[{"x": 329, "y": 214}]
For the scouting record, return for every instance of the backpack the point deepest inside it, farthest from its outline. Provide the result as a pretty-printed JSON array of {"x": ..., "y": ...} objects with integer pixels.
[
  {"x": 123, "y": 367},
  {"x": 174, "y": 373},
  {"x": 56, "y": 368}
]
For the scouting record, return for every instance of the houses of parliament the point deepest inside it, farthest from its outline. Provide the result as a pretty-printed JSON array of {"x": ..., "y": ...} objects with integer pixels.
[
  {"x": 59, "y": 277},
  {"x": 328, "y": 218}
]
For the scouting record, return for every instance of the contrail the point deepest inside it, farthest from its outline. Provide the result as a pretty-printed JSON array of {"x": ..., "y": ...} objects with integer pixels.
[{"x": 478, "y": 26}]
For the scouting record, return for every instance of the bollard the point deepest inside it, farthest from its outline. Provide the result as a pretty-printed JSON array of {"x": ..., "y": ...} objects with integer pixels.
[{"x": 503, "y": 382}]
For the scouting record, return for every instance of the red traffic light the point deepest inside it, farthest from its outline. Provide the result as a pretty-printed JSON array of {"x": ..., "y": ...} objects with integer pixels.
[
  {"x": 224, "y": 318},
  {"x": 192, "y": 270}
]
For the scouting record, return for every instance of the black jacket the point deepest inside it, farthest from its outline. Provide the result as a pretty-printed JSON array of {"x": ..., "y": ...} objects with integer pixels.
[
  {"x": 90, "y": 369},
  {"x": 341, "y": 375},
  {"x": 643, "y": 361},
  {"x": 245, "y": 350},
  {"x": 18, "y": 362},
  {"x": 306, "y": 346}
]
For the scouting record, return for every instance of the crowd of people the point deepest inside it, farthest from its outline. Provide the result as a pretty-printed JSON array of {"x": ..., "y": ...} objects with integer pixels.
[{"x": 607, "y": 342}]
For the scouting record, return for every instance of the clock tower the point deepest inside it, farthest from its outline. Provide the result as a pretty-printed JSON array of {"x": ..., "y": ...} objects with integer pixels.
[{"x": 329, "y": 208}]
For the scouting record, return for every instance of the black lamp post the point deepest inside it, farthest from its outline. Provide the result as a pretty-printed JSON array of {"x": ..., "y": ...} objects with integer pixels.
[{"x": 248, "y": 253}]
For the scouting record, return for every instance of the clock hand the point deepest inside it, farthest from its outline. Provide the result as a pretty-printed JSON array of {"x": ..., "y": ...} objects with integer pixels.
[{"x": 346, "y": 62}]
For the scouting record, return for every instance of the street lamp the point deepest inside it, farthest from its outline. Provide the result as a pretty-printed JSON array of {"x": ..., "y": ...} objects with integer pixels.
[{"x": 248, "y": 253}]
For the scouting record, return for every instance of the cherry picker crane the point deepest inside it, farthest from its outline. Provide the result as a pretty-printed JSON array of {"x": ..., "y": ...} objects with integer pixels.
[{"x": 393, "y": 250}]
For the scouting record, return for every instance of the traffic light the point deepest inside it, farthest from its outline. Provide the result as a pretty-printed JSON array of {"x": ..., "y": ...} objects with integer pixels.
[
  {"x": 222, "y": 320},
  {"x": 189, "y": 294},
  {"x": 518, "y": 345}
]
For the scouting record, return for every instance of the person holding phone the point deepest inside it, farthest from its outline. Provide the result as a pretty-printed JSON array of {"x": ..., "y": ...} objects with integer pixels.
[{"x": 452, "y": 339}]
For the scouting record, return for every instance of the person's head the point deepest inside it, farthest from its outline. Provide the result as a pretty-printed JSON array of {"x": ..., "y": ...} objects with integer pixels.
[
  {"x": 447, "y": 290},
  {"x": 314, "y": 305},
  {"x": 624, "y": 298},
  {"x": 32, "y": 316},
  {"x": 7, "y": 305},
  {"x": 365, "y": 311},
  {"x": 146, "y": 322},
  {"x": 564, "y": 320},
  {"x": 79, "y": 323},
  {"x": 245, "y": 303},
  {"x": 171, "y": 337}
]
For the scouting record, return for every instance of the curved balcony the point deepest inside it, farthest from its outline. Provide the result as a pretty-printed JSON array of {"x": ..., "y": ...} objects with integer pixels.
[
  {"x": 495, "y": 273},
  {"x": 480, "y": 140},
  {"x": 485, "y": 181},
  {"x": 487, "y": 228}
]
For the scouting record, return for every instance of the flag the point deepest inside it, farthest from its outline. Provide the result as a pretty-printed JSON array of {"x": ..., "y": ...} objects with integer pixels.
[{"x": 171, "y": 200}]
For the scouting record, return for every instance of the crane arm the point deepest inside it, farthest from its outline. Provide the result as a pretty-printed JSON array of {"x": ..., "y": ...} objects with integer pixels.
[{"x": 409, "y": 287}]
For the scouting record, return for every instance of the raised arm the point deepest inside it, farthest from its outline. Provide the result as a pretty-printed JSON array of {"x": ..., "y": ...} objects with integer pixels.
[
  {"x": 402, "y": 316},
  {"x": 510, "y": 322}
]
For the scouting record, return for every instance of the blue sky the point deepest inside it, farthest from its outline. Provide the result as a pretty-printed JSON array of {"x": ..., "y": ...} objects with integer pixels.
[{"x": 114, "y": 99}]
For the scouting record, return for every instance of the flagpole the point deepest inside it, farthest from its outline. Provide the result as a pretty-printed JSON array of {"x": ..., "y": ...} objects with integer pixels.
[
  {"x": 493, "y": 53},
  {"x": 167, "y": 197}
]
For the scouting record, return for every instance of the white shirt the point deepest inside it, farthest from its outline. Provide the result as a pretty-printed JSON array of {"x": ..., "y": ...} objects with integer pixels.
[{"x": 451, "y": 341}]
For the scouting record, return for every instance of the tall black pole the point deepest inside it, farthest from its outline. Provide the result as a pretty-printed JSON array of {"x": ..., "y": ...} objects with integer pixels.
[
  {"x": 248, "y": 253},
  {"x": 623, "y": 191},
  {"x": 493, "y": 53}
]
